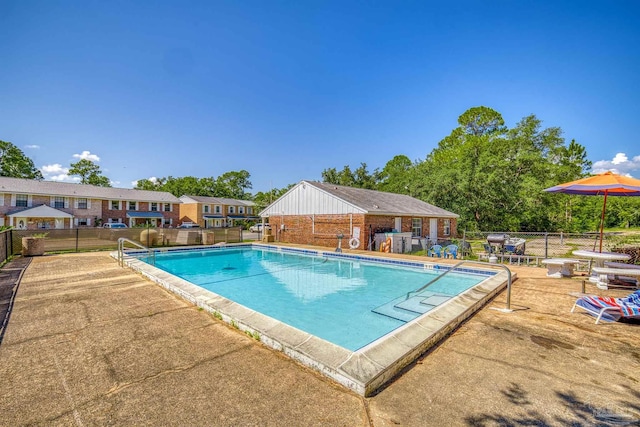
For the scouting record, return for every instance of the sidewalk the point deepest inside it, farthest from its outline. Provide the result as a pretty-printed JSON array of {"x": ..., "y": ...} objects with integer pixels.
[{"x": 90, "y": 343}]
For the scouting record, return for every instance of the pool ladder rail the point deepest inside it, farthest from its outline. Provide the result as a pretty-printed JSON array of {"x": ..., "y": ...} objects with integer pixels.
[
  {"x": 421, "y": 300},
  {"x": 123, "y": 240},
  {"x": 435, "y": 279}
]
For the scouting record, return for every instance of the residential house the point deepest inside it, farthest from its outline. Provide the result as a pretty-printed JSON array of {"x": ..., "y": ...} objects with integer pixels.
[
  {"x": 209, "y": 212},
  {"x": 318, "y": 213},
  {"x": 33, "y": 204}
]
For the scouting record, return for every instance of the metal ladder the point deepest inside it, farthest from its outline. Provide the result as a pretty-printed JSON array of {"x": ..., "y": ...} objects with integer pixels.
[
  {"x": 123, "y": 240},
  {"x": 507, "y": 309}
]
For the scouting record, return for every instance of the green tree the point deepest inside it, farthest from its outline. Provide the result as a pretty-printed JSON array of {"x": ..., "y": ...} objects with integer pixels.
[
  {"x": 233, "y": 185},
  {"x": 14, "y": 163},
  {"x": 396, "y": 175},
  {"x": 89, "y": 173},
  {"x": 361, "y": 178},
  {"x": 494, "y": 177}
]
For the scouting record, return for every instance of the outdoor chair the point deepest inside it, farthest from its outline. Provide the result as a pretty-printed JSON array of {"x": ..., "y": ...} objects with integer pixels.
[
  {"x": 610, "y": 309},
  {"x": 451, "y": 250},
  {"x": 435, "y": 251}
]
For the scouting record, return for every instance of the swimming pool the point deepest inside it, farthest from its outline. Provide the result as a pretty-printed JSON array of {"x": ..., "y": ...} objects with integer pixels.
[
  {"x": 280, "y": 296},
  {"x": 347, "y": 302}
]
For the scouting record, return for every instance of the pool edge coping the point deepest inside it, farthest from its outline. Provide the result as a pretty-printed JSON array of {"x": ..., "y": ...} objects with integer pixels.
[{"x": 363, "y": 371}]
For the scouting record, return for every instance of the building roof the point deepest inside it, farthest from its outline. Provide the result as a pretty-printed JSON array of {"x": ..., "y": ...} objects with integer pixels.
[
  {"x": 216, "y": 200},
  {"x": 42, "y": 211},
  {"x": 66, "y": 189},
  {"x": 352, "y": 200}
]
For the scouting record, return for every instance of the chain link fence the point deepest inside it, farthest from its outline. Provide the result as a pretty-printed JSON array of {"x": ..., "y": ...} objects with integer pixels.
[{"x": 534, "y": 247}]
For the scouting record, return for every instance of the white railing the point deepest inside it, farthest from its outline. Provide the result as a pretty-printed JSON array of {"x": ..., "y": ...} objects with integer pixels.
[{"x": 123, "y": 240}]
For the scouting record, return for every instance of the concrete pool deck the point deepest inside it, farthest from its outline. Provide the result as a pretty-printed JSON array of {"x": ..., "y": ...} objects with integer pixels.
[{"x": 90, "y": 343}]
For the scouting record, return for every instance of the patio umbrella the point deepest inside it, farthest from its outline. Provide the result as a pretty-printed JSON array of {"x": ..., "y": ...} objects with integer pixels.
[{"x": 604, "y": 184}]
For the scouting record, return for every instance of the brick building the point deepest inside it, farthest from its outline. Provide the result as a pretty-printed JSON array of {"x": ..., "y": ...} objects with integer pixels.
[
  {"x": 209, "y": 212},
  {"x": 317, "y": 213},
  {"x": 32, "y": 204}
]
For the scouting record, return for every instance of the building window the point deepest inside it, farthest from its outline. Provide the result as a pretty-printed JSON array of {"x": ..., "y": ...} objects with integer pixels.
[
  {"x": 447, "y": 227},
  {"x": 58, "y": 202},
  {"x": 241, "y": 209},
  {"x": 167, "y": 207},
  {"x": 83, "y": 204},
  {"x": 132, "y": 206},
  {"x": 83, "y": 221},
  {"x": 22, "y": 200},
  {"x": 154, "y": 207},
  {"x": 416, "y": 227},
  {"x": 218, "y": 209},
  {"x": 205, "y": 208},
  {"x": 249, "y": 211},
  {"x": 114, "y": 205},
  {"x": 231, "y": 209}
]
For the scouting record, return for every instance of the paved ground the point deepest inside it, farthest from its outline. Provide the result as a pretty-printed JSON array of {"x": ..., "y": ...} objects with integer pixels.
[{"x": 88, "y": 343}]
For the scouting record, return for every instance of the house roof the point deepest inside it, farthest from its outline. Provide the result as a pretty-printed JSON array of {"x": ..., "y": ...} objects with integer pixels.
[
  {"x": 216, "y": 200},
  {"x": 42, "y": 211},
  {"x": 66, "y": 189},
  {"x": 361, "y": 200}
]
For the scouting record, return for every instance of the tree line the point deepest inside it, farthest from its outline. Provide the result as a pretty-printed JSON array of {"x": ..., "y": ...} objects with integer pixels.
[{"x": 491, "y": 175}]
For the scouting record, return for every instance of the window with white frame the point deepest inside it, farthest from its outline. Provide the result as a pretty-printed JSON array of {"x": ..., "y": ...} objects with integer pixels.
[
  {"x": 83, "y": 204},
  {"x": 232, "y": 209},
  {"x": 241, "y": 209},
  {"x": 218, "y": 209},
  {"x": 132, "y": 206},
  {"x": 167, "y": 207},
  {"x": 22, "y": 200},
  {"x": 205, "y": 208},
  {"x": 114, "y": 205},
  {"x": 83, "y": 221},
  {"x": 154, "y": 207},
  {"x": 416, "y": 227},
  {"x": 446, "y": 226},
  {"x": 58, "y": 202}
]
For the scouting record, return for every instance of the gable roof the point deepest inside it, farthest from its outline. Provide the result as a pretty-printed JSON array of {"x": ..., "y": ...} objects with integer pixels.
[
  {"x": 354, "y": 200},
  {"x": 215, "y": 200},
  {"x": 66, "y": 189},
  {"x": 42, "y": 211}
]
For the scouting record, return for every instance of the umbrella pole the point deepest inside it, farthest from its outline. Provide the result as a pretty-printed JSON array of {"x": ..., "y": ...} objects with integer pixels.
[{"x": 604, "y": 206}]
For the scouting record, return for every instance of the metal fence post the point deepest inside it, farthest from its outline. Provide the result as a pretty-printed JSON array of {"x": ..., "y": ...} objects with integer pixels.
[
  {"x": 77, "y": 238},
  {"x": 546, "y": 245}
]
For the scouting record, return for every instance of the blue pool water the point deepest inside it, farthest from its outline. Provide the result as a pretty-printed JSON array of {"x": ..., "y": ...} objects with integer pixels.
[{"x": 346, "y": 302}]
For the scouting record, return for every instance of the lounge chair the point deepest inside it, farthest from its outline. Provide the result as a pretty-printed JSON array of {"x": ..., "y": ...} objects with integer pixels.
[
  {"x": 435, "y": 251},
  {"x": 610, "y": 309},
  {"x": 451, "y": 250}
]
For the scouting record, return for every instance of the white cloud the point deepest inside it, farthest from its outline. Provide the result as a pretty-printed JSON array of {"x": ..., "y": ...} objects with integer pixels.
[
  {"x": 53, "y": 169},
  {"x": 88, "y": 156},
  {"x": 620, "y": 164},
  {"x": 33, "y": 147},
  {"x": 56, "y": 172}
]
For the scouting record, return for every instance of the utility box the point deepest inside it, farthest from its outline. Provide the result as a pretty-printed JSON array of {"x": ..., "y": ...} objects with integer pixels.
[{"x": 400, "y": 242}]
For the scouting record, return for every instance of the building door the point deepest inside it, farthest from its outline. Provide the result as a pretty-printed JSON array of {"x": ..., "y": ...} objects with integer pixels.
[
  {"x": 398, "y": 225},
  {"x": 59, "y": 223},
  {"x": 433, "y": 230}
]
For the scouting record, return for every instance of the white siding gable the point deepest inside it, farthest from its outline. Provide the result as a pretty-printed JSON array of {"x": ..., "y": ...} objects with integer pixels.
[{"x": 305, "y": 199}]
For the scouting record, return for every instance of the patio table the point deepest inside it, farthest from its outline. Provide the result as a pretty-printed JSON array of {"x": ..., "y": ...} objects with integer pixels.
[{"x": 599, "y": 258}]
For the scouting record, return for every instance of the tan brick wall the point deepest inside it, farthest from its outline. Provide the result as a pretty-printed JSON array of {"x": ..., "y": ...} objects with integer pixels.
[{"x": 191, "y": 212}]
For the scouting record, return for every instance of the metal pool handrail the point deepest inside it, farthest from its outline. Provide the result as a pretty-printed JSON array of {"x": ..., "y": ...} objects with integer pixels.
[
  {"x": 121, "y": 242},
  {"x": 508, "y": 308}
]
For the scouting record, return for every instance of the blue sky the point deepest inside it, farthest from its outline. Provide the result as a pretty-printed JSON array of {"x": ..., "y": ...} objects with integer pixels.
[{"x": 286, "y": 89}]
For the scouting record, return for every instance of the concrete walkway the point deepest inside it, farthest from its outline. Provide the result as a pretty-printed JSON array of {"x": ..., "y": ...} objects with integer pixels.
[{"x": 89, "y": 343}]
